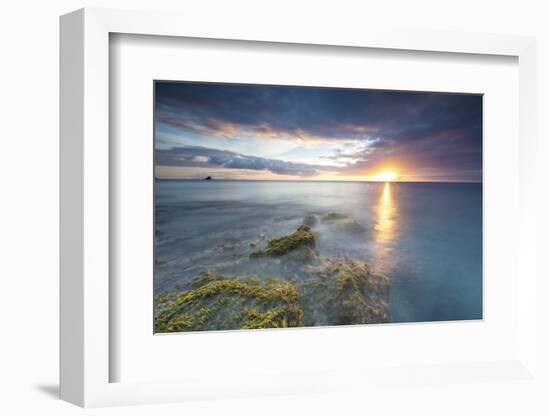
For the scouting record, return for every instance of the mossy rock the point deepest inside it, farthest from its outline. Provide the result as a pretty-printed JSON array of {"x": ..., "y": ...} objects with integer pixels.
[
  {"x": 344, "y": 292},
  {"x": 298, "y": 246},
  {"x": 214, "y": 302}
]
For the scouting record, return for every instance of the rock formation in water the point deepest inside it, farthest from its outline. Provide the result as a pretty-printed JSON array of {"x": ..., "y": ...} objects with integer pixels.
[
  {"x": 214, "y": 302},
  {"x": 331, "y": 291},
  {"x": 344, "y": 291},
  {"x": 310, "y": 220},
  {"x": 342, "y": 223},
  {"x": 299, "y": 246}
]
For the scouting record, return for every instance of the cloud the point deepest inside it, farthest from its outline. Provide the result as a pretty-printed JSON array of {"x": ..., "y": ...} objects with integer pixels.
[
  {"x": 212, "y": 127},
  {"x": 195, "y": 156},
  {"x": 357, "y": 129},
  {"x": 240, "y": 111}
]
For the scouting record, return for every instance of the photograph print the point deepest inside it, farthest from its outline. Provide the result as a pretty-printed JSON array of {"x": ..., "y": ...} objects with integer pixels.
[{"x": 295, "y": 206}]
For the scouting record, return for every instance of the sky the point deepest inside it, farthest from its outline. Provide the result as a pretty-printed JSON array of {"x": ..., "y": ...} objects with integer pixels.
[{"x": 257, "y": 132}]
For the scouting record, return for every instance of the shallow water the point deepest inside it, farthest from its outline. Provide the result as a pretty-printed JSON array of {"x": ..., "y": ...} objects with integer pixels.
[{"x": 427, "y": 237}]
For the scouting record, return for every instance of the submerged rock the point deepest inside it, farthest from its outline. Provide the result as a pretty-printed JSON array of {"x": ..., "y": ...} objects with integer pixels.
[
  {"x": 310, "y": 220},
  {"x": 299, "y": 246},
  {"x": 344, "y": 292},
  {"x": 334, "y": 216},
  {"x": 342, "y": 223},
  {"x": 318, "y": 291},
  {"x": 339, "y": 291},
  {"x": 350, "y": 226},
  {"x": 214, "y": 302}
]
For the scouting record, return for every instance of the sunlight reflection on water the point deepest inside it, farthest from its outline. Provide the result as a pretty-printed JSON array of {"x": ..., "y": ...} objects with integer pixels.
[
  {"x": 385, "y": 216},
  {"x": 385, "y": 229}
]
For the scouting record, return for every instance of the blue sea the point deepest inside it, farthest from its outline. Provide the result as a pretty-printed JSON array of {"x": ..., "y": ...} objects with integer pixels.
[{"x": 426, "y": 237}]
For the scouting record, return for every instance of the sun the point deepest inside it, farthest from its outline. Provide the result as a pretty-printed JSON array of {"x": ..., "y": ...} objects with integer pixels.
[{"x": 386, "y": 176}]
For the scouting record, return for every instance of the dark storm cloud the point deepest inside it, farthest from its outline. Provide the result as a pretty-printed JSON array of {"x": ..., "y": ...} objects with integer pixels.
[
  {"x": 421, "y": 130},
  {"x": 194, "y": 156}
]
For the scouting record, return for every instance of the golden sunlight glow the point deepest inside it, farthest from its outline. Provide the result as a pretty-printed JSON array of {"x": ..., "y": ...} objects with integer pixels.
[
  {"x": 384, "y": 215},
  {"x": 386, "y": 176},
  {"x": 385, "y": 229}
]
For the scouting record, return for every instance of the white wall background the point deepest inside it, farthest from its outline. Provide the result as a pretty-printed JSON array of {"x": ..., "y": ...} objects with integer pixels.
[{"x": 29, "y": 205}]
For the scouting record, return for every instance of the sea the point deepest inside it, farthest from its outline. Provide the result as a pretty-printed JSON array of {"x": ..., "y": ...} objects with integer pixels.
[{"x": 426, "y": 237}]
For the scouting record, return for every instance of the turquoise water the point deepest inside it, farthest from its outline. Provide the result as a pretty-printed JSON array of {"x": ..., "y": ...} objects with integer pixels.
[{"x": 427, "y": 237}]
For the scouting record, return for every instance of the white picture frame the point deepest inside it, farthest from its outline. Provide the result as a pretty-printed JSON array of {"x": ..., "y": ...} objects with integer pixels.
[{"x": 85, "y": 210}]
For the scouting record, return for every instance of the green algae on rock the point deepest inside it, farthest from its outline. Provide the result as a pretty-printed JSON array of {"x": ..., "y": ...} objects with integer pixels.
[
  {"x": 214, "y": 302},
  {"x": 343, "y": 292},
  {"x": 299, "y": 246}
]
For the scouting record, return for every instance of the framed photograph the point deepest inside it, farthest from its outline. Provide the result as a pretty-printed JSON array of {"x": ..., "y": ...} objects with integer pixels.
[
  {"x": 290, "y": 206},
  {"x": 248, "y": 213}
]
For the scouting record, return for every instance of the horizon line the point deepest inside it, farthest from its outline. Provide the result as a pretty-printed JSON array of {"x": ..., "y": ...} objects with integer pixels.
[{"x": 307, "y": 180}]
